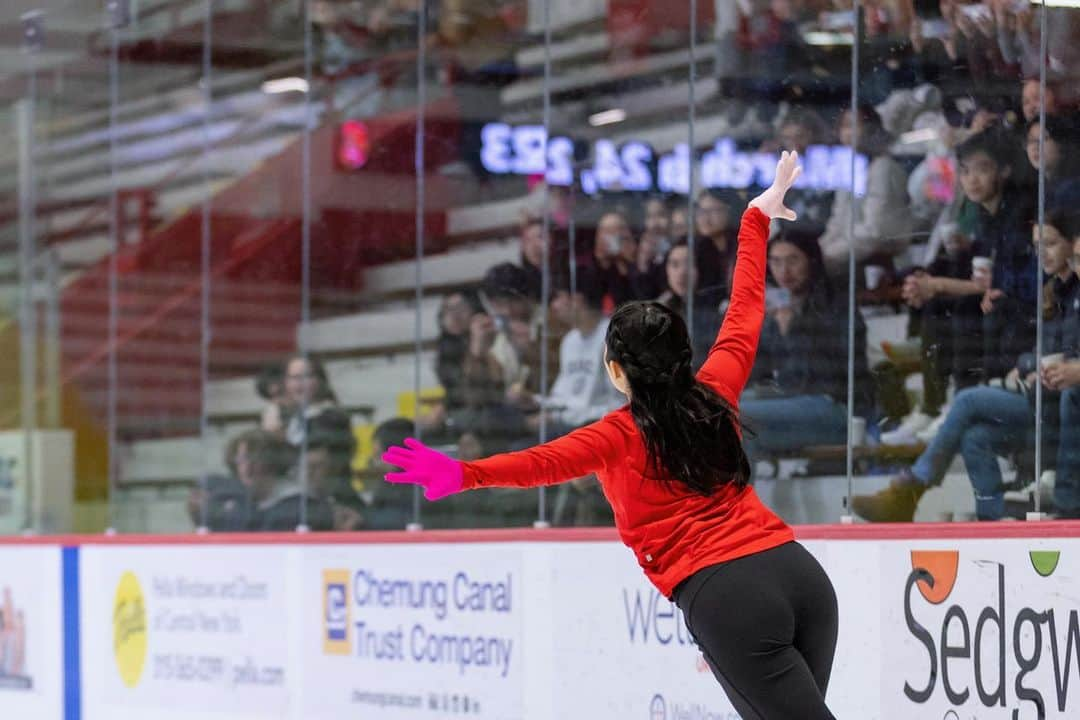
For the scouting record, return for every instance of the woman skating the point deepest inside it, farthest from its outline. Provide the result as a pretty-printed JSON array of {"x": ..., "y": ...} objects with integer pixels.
[{"x": 672, "y": 466}]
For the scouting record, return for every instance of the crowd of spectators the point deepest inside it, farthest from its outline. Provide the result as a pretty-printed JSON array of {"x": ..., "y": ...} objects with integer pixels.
[{"x": 952, "y": 132}]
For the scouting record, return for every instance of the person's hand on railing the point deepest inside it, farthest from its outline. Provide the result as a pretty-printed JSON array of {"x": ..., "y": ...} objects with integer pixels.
[
  {"x": 439, "y": 475},
  {"x": 771, "y": 202}
]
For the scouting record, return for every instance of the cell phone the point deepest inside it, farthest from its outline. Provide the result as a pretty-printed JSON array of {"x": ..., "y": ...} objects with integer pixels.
[
  {"x": 977, "y": 12},
  {"x": 662, "y": 248},
  {"x": 612, "y": 243},
  {"x": 935, "y": 29},
  {"x": 777, "y": 298}
]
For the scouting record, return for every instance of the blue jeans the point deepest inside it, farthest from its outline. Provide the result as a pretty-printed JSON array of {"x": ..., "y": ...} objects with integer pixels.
[
  {"x": 1067, "y": 485},
  {"x": 790, "y": 423},
  {"x": 982, "y": 423}
]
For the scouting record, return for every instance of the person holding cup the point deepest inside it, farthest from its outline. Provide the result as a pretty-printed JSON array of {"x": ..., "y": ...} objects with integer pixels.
[
  {"x": 945, "y": 297},
  {"x": 799, "y": 393},
  {"x": 975, "y": 326},
  {"x": 985, "y": 422},
  {"x": 614, "y": 256}
]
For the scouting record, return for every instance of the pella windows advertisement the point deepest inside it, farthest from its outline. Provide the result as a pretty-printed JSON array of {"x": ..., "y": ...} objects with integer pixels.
[
  {"x": 402, "y": 632},
  {"x": 185, "y": 632},
  {"x": 983, "y": 630}
]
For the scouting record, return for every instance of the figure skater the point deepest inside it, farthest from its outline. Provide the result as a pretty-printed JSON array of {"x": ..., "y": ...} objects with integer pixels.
[{"x": 672, "y": 465}]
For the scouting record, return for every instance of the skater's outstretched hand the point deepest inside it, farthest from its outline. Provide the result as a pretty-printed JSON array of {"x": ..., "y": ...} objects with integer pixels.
[
  {"x": 771, "y": 202},
  {"x": 439, "y": 475}
]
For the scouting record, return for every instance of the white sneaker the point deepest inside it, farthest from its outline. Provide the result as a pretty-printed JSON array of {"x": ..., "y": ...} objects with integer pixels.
[
  {"x": 930, "y": 431},
  {"x": 907, "y": 433}
]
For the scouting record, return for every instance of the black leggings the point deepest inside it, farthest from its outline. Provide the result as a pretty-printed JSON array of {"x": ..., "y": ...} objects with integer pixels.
[{"x": 766, "y": 624}]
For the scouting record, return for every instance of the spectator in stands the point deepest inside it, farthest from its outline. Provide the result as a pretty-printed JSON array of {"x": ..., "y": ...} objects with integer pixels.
[
  {"x": 1061, "y": 160},
  {"x": 350, "y": 36},
  {"x": 533, "y": 245},
  {"x": 999, "y": 325},
  {"x": 682, "y": 280},
  {"x": 1030, "y": 97},
  {"x": 799, "y": 393},
  {"x": 1004, "y": 213},
  {"x": 615, "y": 256},
  {"x": 475, "y": 38},
  {"x": 532, "y": 255},
  {"x": 330, "y": 448},
  {"x": 229, "y": 497},
  {"x": 226, "y": 497},
  {"x": 348, "y": 511},
  {"x": 882, "y": 216},
  {"x": 949, "y": 326},
  {"x": 386, "y": 506},
  {"x": 1018, "y": 33},
  {"x": 715, "y": 240},
  {"x": 307, "y": 395},
  {"x": 455, "y": 317},
  {"x": 761, "y": 35},
  {"x": 517, "y": 321},
  {"x": 270, "y": 386},
  {"x": 499, "y": 369},
  {"x": 482, "y": 401},
  {"x": 932, "y": 188},
  {"x": 680, "y": 224},
  {"x": 799, "y": 129},
  {"x": 985, "y": 422},
  {"x": 277, "y": 495},
  {"x": 581, "y": 393},
  {"x": 648, "y": 273}
]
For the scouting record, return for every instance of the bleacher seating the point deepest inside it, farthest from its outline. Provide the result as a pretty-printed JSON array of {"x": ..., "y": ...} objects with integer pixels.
[{"x": 364, "y": 321}]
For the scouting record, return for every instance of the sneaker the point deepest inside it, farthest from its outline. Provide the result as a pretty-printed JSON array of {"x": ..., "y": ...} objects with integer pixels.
[
  {"x": 907, "y": 433},
  {"x": 895, "y": 503},
  {"x": 930, "y": 431}
]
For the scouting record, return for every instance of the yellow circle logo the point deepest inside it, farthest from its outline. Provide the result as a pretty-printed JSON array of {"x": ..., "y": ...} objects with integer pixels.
[{"x": 129, "y": 629}]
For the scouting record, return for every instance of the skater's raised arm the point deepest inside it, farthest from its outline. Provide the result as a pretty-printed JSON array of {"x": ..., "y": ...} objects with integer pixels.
[
  {"x": 579, "y": 453},
  {"x": 731, "y": 358}
]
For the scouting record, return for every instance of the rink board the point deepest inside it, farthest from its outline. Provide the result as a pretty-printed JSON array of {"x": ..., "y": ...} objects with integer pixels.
[{"x": 935, "y": 621}]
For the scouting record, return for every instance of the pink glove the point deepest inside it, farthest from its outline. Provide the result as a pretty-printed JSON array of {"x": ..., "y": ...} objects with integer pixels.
[{"x": 438, "y": 474}]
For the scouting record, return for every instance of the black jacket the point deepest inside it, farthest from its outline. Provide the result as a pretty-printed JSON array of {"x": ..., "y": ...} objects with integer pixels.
[
  {"x": 812, "y": 358},
  {"x": 1061, "y": 324}
]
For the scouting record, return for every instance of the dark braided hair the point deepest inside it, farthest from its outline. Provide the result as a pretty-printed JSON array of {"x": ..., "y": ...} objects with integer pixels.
[{"x": 691, "y": 434}]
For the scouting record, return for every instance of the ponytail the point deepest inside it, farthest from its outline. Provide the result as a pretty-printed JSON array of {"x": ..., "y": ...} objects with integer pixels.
[{"x": 691, "y": 434}]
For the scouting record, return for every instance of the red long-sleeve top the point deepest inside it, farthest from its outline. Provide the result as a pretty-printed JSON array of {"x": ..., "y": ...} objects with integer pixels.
[{"x": 673, "y": 531}]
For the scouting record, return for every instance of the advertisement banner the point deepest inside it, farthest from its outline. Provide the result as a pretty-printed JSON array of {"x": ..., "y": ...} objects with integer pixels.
[
  {"x": 412, "y": 631},
  {"x": 985, "y": 629},
  {"x": 31, "y": 632},
  {"x": 622, "y": 649},
  {"x": 185, "y": 632}
]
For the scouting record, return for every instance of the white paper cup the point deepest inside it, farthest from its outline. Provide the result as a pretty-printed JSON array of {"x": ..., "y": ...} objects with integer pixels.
[
  {"x": 858, "y": 431},
  {"x": 1052, "y": 360},
  {"x": 874, "y": 275}
]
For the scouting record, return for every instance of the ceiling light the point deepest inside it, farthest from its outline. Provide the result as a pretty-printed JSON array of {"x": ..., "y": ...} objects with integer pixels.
[
  {"x": 607, "y": 117},
  {"x": 284, "y": 85}
]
